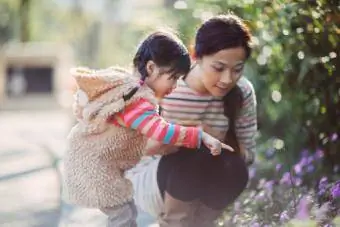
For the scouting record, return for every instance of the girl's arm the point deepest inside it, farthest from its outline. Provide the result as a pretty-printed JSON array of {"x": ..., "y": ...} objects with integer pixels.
[{"x": 142, "y": 116}]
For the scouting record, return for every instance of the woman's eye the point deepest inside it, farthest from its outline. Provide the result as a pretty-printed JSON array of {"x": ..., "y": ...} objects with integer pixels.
[
  {"x": 218, "y": 69},
  {"x": 238, "y": 70}
]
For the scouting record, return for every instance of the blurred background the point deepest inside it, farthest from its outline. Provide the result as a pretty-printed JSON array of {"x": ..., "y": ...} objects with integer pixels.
[{"x": 294, "y": 69}]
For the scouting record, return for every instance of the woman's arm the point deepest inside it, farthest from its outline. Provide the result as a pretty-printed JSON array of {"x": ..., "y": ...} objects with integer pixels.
[{"x": 246, "y": 123}]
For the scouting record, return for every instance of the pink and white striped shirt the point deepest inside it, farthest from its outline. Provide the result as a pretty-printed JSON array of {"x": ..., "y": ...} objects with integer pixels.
[{"x": 185, "y": 104}]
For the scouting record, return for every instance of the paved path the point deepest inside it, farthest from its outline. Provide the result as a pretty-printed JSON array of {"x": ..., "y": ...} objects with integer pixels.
[
  {"x": 29, "y": 185},
  {"x": 31, "y": 151}
]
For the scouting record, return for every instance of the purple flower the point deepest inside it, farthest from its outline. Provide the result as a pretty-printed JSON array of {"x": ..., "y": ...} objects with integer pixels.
[
  {"x": 323, "y": 183},
  {"x": 269, "y": 185},
  {"x": 304, "y": 153},
  {"x": 303, "y": 210},
  {"x": 297, "y": 181},
  {"x": 260, "y": 196},
  {"x": 321, "y": 192},
  {"x": 298, "y": 169},
  {"x": 310, "y": 159},
  {"x": 319, "y": 154},
  {"x": 278, "y": 167},
  {"x": 304, "y": 161},
  {"x": 310, "y": 168},
  {"x": 284, "y": 216},
  {"x": 335, "y": 190},
  {"x": 334, "y": 137},
  {"x": 322, "y": 186},
  {"x": 255, "y": 224},
  {"x": 286, "y": 179}
]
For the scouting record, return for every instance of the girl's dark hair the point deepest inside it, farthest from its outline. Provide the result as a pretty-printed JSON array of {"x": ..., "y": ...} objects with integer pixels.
[
  {"x": 218, "y": 33},
  {"x": 166, "y": 50}
]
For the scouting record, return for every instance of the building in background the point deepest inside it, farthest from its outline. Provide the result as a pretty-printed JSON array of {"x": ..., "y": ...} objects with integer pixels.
[{"x": 35, "y": 75}]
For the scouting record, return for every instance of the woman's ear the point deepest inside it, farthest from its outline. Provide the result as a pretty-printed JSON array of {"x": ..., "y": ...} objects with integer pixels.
[{"x": 150, "y": 68}]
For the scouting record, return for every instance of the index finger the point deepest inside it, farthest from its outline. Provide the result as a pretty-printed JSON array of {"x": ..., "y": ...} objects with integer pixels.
[{"x": 225, "y": 146}]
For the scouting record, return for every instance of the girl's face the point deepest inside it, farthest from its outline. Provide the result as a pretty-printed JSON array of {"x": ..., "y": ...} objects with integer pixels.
[
  {"x": 161, "y": 82},
  {"x": 222, "y": 70}
]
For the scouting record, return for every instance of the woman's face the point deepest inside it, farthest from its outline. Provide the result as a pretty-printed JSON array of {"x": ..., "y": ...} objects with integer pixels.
[{"x": 222, "y": 70}]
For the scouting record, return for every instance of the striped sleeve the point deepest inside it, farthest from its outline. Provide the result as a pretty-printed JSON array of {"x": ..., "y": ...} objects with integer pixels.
[
  {"x": 246, "y": 123},
  {"x": 143, "y": 117}
]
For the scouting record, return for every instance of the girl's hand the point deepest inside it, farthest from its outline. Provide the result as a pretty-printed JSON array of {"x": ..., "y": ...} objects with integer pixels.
[{"x": 214, "y": 144}]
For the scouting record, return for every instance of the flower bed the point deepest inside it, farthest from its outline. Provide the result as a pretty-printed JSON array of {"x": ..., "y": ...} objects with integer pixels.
[{"x": 299, "y": 196}]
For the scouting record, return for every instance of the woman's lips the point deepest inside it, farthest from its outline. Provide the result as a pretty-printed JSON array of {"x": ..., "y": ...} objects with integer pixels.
[
  {"x": 223, "y": 90},
  {"x": 222, "y": 85}
]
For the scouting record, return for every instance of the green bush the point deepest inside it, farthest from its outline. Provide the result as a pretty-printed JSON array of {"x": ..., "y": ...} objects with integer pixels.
[{"x": 294, "y": 68}]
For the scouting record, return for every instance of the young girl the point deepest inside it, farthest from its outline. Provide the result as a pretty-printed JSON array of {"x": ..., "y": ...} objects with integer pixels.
[{"x": 117, "y": 114}]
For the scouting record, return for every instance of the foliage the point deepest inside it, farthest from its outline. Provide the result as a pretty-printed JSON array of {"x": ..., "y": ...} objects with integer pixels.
[{"x": 294, "y": 67}]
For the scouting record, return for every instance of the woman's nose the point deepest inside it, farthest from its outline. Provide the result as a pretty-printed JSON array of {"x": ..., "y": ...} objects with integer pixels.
[{"x": 226, "y": 78}]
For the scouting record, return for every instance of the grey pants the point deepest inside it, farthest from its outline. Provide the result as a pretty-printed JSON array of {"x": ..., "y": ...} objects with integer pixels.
[{"x": 121, "y": 216}]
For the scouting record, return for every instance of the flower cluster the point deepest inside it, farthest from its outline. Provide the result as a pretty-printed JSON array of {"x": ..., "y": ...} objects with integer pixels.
[{"x": 297, "y": 195}]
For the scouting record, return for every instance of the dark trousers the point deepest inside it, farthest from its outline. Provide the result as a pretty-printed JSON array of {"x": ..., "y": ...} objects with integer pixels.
[{"x": 197, "y": 177}]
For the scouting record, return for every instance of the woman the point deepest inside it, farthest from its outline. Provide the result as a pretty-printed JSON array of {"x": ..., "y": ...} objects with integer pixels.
[{"x": 187, "y": 189}]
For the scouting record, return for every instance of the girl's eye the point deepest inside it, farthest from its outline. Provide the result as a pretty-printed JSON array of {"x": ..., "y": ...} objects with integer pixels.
[
  {"x": 174, "y": 77},
  {"x": 178, "y": 76}
]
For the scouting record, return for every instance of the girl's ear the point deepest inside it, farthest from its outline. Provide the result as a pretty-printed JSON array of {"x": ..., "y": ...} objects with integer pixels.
[{"x": 150, "y": 68}]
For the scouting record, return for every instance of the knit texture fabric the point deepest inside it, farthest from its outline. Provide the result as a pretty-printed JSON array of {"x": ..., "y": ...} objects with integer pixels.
[{"x": 98, "y": 152}]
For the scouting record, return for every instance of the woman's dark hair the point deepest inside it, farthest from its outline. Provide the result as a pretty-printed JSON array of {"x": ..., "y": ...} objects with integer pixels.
[
  {"x": 166, "y": 50},
  {"x": 218, "y": 33}
]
